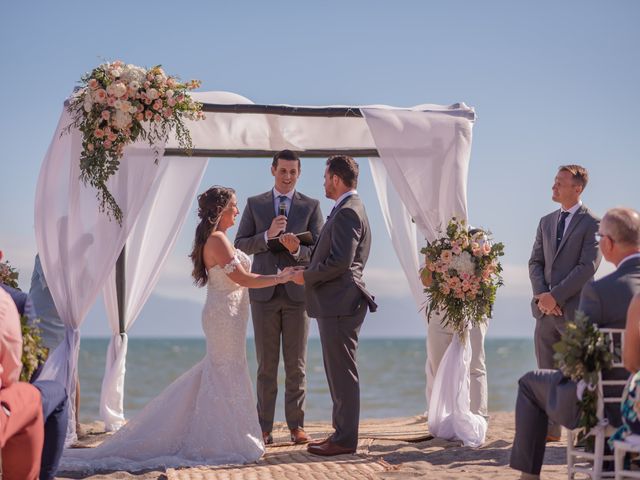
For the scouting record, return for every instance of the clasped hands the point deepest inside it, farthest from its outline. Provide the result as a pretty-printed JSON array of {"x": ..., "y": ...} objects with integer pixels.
[
  {"x": 548, "y": 305},
  {"x": 292, "y": 274}
]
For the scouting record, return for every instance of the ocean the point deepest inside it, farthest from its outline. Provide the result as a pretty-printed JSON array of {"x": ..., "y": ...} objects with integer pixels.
[{"x": 392, "y": 374}]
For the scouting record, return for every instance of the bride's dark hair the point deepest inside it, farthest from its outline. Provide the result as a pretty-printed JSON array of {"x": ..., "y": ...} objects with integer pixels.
[{"x": 210, "y": 206}]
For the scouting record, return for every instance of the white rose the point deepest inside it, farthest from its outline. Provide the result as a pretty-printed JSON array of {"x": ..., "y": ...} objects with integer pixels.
[
  {"x": 132, "y": 73},
  {"x": 169, "y": 93},
  {"x": 133, "y": 109},
  {"x": 463, "y": 263},
  {"x": 121, "y": 120},
  {"x": 152, "y": 94},
  {"x": 87, "y": 104},
  {"x": 116, "y": 72}
]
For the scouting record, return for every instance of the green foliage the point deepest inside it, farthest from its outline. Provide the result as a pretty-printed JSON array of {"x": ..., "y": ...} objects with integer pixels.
[
  {"x": 582, "y": 353},
  {"x": 33, "y": 352}
]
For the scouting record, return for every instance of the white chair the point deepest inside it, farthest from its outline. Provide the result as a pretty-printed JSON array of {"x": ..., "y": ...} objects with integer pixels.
[
  {"x": 590, "y": 463},
  {"x": 621, "y": 447}
]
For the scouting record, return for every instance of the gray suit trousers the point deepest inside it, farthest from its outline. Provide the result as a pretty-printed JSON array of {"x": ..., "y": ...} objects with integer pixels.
[
  {"x": 543, "y": 396},
  {"x": 280, "y": 318},
  {"x": 339, "y": 337}
]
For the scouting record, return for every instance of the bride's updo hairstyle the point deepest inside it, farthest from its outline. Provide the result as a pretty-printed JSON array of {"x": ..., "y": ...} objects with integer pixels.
[{"x": 210, "y": 206}]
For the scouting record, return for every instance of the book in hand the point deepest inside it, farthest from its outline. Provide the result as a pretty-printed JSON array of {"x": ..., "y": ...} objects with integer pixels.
[{"x": 275, "y": 246}]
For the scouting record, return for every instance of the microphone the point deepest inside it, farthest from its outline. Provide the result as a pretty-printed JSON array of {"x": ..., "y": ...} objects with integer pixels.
[{"x": 282, "y": 208}]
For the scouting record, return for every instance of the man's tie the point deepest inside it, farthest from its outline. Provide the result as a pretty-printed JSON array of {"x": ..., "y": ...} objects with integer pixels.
[{"x": 560, "y": 229}]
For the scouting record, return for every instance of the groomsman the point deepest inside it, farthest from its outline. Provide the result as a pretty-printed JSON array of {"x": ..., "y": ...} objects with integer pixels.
[
  {"x": 338, "y": 298},
  {"x": 545, "y": 395},
  {"x": 564, "y": 258},
  {"x": 278, "y": 312}
]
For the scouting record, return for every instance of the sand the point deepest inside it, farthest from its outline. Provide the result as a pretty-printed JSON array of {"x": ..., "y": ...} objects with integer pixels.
[{"x": 388, "y": 449}]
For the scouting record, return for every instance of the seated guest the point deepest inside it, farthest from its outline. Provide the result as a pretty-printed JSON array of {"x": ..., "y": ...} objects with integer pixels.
[
  {"x": 21, "y": 425},
  {"x": 631, "y": 358},
  {"x": 545, "y": 395},
  {"x": 51, "y": 327},
  {"x": 54, "y": 401}
]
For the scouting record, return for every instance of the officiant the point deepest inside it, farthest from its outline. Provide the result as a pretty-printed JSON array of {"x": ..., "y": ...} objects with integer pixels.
[{"x": 270, "y": 222}]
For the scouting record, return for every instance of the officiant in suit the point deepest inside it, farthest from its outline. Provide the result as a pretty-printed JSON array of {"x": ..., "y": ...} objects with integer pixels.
[
  {"x": 278, "y": 312},
  {"x": 337, "y": 297},
  {"x": 546, "y": 394}
]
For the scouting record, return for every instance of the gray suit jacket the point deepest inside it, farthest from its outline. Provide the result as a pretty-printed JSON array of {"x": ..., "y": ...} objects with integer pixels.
[
  {"x": 565, "y": 270},
  {"x": 606, "y": 302},
  {"x": 304, "y": 215},
  {"x": 333, "y": 279}
]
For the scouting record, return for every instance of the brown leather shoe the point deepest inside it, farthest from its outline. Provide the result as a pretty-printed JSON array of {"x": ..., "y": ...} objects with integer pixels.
[
  {"x": 552, "y": 438},
  {"x": 298, "y": 436},
  {"x": 329, "y": 449},
  {"x": 320, "y": 442},
  {"x": 267, "y": 438}
]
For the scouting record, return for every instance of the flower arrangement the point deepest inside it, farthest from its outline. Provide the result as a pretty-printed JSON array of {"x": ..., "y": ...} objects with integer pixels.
[
  {"x": 118, "y": 104},
  {"x": 8, "y": 274},
  {"x": 581, "y": 354},
  {"x": 463, "y": 275}
]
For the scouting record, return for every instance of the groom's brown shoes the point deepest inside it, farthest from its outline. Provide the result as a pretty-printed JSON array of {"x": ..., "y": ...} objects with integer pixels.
[
  {"x": 329, "y": 449},
  {"x": 320, "y": 442},
  {"x": 299, "y": 436},
  {"x": 267, "y": 438}
]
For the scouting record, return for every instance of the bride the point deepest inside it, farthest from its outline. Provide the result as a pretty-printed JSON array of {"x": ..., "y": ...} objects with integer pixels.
[{"x": 207, "y": 416}]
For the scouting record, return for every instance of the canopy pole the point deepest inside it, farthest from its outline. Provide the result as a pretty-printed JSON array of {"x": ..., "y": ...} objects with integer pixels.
[
  {"x": 210, "y": 153},
  {"x": 120, "y": 287}
]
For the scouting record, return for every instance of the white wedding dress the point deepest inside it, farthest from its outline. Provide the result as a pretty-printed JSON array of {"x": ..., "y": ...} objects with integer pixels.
[{"x": 205, "y": 417}]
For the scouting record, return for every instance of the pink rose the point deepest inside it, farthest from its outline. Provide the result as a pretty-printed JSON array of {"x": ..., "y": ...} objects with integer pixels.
[
  {"x": 140, "y": 116},
  {"x": 157, "y": 118},
  {"x": 93, "y": 84},
  {"x": 112, "y": 137},
  {"x": 105, "y": 115},
  {"x": 486, "y": 248},
  {"x": 168, "y": 112},
  {"x": 157, "y": 105},
  {"x": 171, "y": 101},
  {"x": 456, "y": 249},
  {"x": 100, "y": 95},
  {"x": 99, "y": 133},
  {"x": 444, "y": 289},
  {"x": 446, "y": 256},
  {"x": 111, "y": 101},
  {"x": 107, "y": 144},
  {"x": 90, "y": 147}
]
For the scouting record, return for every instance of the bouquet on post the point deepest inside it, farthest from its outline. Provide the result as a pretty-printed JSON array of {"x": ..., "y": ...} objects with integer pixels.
[
  {"x": 116, "y": 105},
  {"x": 463, "y": 275}
]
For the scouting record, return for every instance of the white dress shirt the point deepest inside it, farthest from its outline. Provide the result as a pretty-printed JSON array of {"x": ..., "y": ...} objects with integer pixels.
[{"x": 572, "y": 211}]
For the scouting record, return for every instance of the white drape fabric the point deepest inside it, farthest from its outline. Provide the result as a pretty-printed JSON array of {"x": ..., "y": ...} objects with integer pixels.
[
  {"x": 147, "y": 248},
  {"x": 421, "y": 175},
  {"x": 78, "y": 244},
  {"x": 400, "y": 228},
  {"x": 426, "y": 156},
  {"x": 450, "y": 416}
]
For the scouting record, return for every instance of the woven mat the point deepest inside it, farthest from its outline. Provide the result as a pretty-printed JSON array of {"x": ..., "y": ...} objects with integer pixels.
[
  {"x": 293, "y": 462},
  {"x": 405, "y": 429}
]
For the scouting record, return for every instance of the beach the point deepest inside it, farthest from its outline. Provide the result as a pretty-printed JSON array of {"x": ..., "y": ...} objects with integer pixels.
[{"x": 391, "y": 448}]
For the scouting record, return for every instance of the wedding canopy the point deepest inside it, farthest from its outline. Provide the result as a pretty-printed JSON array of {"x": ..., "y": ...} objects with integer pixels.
[{"x": 419, "y": 159}]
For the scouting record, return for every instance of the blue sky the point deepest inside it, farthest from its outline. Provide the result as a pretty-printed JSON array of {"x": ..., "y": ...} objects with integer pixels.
[{"x": 552, "y": 83}]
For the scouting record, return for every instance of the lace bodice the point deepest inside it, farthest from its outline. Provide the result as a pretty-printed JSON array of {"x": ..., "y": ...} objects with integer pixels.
[{"x": 218, "y": 276}]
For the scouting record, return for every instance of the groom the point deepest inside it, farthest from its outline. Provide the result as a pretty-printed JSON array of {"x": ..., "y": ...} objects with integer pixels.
[{"x": 337, "y": 297}]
